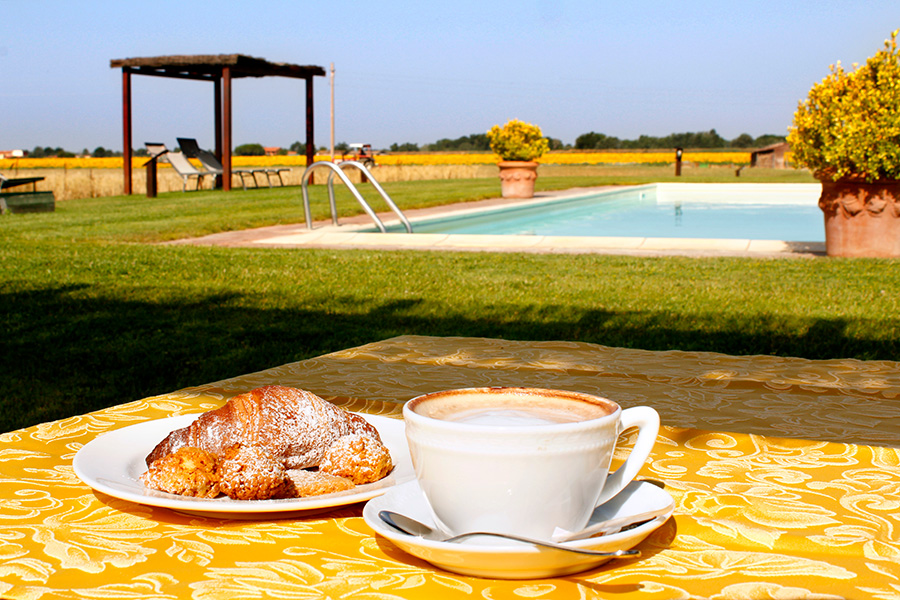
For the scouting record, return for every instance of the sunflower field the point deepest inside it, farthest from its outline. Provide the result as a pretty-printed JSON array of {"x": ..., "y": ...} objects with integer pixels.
[{"x": 411, "y": 158}]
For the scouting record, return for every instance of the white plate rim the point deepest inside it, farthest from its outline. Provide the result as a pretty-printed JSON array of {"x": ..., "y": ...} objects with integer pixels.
[{"x": 112, "y": 462}]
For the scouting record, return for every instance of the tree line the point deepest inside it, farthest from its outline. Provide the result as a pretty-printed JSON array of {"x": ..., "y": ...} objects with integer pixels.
[
  {"x": 50, "y": 152},
  {"x": 702, "y": 139},
  {"x": 599, "y": 141},
  {"x": 478, "y": 142}
]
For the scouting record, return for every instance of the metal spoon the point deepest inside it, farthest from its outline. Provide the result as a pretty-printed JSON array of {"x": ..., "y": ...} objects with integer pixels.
[
  {"x": 412, "y": 527},
  {"x": 615, "y": 524}
]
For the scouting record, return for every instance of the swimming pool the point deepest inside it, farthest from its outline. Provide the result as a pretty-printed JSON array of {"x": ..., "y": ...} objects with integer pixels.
[{"x": 786, "y": 212}]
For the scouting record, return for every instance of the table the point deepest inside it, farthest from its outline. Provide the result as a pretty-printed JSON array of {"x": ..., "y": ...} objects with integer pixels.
[{"x": 785, "y": 472}]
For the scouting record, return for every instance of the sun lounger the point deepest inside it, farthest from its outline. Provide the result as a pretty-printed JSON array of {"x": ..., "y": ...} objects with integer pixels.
[
  {"x": 190, "y": 146},
  {"x": 179, "y": 163},
  {"x": 184, "y": 168},
  {"x": 276, "y": 172},
  {"x": 18, "y": 201},
  {"x": 6, "y": 183},
  {"x": 156, "y": 150},
  {"x": 209, "y": 161}
]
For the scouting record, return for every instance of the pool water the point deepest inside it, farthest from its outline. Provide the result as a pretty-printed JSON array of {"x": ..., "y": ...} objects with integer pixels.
[{"x": 786, "y": 212}]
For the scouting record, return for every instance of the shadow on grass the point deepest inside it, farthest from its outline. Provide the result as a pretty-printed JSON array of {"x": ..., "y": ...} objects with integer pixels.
[{"x": 64, "y": 355}]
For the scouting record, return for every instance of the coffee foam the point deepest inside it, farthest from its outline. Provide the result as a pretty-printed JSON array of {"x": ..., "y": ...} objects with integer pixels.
[{"x": 513, "y": 408}]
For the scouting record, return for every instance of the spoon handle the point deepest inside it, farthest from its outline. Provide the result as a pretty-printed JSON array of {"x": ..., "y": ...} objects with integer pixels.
[
  {"x": 611, "y": 526},
  {"x": 633, "y": 553}
]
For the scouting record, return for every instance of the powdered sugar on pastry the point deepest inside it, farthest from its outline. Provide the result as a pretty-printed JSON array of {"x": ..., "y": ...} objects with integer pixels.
[
  {"x": 250, "y": 473},
  {"x": 361, "y": 458},
  {"x": 316, "y": 483},
  {"x": 295, "y": 427},
  {"x": 187, "y": 472},
  {"x": 259, "y": 445}
]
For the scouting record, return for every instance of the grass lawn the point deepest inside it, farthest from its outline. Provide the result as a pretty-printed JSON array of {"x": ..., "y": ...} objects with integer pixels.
[{"x": 95, "y": 315}]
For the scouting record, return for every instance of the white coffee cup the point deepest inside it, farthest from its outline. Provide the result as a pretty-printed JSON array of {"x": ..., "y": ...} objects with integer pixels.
[{"x": 523, "y": 461}]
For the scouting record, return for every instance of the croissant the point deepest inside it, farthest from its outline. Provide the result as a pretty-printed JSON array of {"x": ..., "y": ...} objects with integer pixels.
[{"x": 293, "y": 426}]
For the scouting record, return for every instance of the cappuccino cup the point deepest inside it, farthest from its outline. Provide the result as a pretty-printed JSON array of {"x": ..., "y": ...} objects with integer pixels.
[{"x": 523, "y": 461}]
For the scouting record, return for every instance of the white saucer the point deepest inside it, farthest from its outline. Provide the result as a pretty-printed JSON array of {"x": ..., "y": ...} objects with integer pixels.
[{"x": 501, "y": 559}]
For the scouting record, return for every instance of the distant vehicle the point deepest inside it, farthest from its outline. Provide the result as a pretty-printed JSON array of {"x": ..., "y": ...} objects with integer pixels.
[{"x": 362, "y": 153}]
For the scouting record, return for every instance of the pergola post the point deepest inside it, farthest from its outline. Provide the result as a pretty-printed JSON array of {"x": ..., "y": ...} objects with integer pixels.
[
  {"x": 217, "y": 119},
  {"x": 310, "y": 142},
  {"x": 226, "y": 129},
  {"x": 126, "y": 129}
]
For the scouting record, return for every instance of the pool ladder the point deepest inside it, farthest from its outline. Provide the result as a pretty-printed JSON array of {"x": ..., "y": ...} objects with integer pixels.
[{"x": 338, "y": 169}]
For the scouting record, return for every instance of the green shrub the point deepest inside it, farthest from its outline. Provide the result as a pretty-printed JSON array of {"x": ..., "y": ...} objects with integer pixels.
[{"x": 849, "y": 126}]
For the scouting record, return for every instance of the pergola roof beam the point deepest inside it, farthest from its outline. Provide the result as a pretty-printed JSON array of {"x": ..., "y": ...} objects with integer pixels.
[{"x": 178, "y": 74}]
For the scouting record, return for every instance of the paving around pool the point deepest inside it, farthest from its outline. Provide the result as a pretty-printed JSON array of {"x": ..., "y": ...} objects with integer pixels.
[{"x": 356, "y": 232}]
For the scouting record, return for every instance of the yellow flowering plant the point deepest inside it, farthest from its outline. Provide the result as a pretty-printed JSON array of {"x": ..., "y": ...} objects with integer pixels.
[
  {"x": 518, "y": 141},
  {"x": 848, "y": 128}
]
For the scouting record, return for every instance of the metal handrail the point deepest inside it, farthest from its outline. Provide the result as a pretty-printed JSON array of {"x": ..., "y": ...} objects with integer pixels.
[
  {"x": 375, "y": 184},
  {"x": 350, "y": 186},
  {"x": 339, "y": 171}
]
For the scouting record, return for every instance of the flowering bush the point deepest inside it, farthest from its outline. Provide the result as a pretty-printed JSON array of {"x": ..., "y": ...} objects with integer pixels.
[
  {"x": 848, "y": 128},
  {"x": 518, "y": 141}
]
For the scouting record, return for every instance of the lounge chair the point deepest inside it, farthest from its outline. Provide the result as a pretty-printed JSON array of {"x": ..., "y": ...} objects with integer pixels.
[
  {"x": 157, "y": 150},
  {"x": 209, "y": 161},
  {"x": 190, "y": 146},
  {"x": 276, "y": 172},
  {"x": 179, "y": 163},
  {"x": 6, "y": 183},
  {"x": 21, "y": 202}
]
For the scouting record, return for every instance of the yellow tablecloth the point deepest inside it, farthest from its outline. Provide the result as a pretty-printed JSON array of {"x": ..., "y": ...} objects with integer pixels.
[{"x": 786, "y": 475}]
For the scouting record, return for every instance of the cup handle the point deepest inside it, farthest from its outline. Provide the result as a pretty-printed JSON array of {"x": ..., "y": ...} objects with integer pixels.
[{"x": 647, "y": 421}]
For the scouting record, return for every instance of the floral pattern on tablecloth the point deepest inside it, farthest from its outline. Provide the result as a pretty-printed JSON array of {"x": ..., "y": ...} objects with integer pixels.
[{"x": 785, "y": 472}]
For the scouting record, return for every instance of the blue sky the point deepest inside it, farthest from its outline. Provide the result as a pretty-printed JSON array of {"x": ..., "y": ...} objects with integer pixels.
[{"x": 421, "y": 71}]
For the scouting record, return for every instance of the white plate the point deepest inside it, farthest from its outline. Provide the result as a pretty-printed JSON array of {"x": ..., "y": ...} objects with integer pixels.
[
  {"x": 113, "y": 462},
  {"x": 501, "y": 559}
]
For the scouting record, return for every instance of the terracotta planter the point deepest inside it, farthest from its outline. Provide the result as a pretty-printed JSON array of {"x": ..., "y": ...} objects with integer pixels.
[
  {"x": 861, "y": 219},
  {"x": 517, "y": 178}
]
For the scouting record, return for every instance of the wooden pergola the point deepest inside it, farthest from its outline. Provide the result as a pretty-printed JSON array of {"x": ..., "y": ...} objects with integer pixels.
[{"x": 220, "y": 69}]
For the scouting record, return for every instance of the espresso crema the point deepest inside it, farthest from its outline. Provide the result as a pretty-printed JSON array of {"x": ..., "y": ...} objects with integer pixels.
[{"x": 513, "y": 407}]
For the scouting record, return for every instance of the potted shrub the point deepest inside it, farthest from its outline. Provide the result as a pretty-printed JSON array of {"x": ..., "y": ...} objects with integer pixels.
[
  {"x": 847, "y": 132},
  {"x": 518, "y": 144}
]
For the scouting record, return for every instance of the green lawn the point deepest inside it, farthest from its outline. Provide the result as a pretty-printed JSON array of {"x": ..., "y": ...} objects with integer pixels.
[{"x": 93, "y": 315}]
